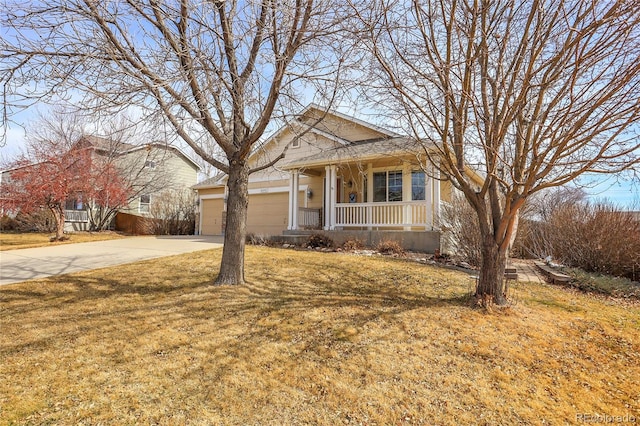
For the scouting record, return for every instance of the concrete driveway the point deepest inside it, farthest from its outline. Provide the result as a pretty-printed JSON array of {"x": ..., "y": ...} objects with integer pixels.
[{"x": 32, "y": 263}]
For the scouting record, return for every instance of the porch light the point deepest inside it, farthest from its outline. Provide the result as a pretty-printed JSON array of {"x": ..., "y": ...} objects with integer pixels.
[{"x": 309, "y": 193}]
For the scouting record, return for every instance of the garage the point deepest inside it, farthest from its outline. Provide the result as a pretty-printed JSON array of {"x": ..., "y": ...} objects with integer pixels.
[
  {"x": 267, "y": 213},
  {"x": 212, "y": 219}
]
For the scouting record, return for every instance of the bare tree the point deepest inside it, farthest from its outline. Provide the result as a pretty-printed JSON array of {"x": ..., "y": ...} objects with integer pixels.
[
  {"x": 57, "y": 168},
  {"x": 215, "y": 72},
  {"x": 531, "y": 94},
  {"x": 117, "y": 169},
  {"x": 173, "y": 212},
  {"x": 141, "y": 168}
]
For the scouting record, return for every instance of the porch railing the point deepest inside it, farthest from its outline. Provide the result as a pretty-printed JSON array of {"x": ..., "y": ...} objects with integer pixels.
[
  {"x": 76, "y": 216},
  {"x": 392, "y": 214},
  {"x": 308, "y": 218}
]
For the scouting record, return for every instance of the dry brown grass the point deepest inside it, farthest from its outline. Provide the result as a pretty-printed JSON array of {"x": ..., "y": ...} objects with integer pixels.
[
  {"x": 314, "y": 338},
  {"x": 15, "y": 240}
]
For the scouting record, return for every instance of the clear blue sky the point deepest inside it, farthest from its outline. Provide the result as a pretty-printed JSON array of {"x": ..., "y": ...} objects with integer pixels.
[{"x": 624, "y": 193}]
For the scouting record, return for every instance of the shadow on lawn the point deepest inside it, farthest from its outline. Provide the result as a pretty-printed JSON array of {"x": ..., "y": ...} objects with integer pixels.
[
  {"x": 317, "y": 310},
  {"x": 96, "y": 301},
  {"x": 339, "y": 285}
]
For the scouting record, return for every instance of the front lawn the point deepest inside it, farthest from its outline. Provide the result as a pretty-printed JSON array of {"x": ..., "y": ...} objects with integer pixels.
[
  {"x": 20, "y": 240},
  {"x": 313, "y": 338}
]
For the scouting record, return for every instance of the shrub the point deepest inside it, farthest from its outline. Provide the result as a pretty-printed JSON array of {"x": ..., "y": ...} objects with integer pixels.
[
  {"x": 461, "y": 232},
  {"x": 319, "y": 240},
  {"x": 256, "y": 239},
  {"x": 605, "y": 284},
  {"x": 594, "y": 237},
  {"x": 390, "y": 247},
  {"x": 8, "y": 223},
  {"x": 38, "y": 221},
  {"x": 354, "y": 244},
  {"x": 173, "y": 213}
]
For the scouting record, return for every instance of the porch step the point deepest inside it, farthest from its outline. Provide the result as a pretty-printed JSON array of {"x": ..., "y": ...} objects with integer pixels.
[{"x": 555, "y": 276}]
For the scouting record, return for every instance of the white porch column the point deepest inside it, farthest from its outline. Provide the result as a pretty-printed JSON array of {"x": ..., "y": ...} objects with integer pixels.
[
  {"x": 369, "y": 183},
  {"x": 436, "y": 198},
  {"x": 199, "y": 232},
  {"x": 293, "y": 200},
  {"x": 333, "y": 182},
  {"x": 327, "y": 197},
  {"x": 428, "y": 197},
  {"x": 369, "y": 193},
  {"x": 406, "y": 195}
]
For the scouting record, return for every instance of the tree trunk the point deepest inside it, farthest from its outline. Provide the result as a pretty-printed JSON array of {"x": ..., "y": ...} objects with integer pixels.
[
  {"x": 58, "y": 215},
  {"x": 491, "y": 288},
  {"x": 235, "y": 231}
]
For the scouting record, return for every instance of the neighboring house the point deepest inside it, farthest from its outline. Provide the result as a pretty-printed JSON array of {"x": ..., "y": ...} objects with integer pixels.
[
  {"x": 148, "y": 170},
  {"x": 6, "y": 179},
  {"x": 341, "y": 175}
]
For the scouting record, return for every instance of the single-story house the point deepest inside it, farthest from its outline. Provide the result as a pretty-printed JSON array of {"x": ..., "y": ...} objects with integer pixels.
[{"x": 341, "y": 176}]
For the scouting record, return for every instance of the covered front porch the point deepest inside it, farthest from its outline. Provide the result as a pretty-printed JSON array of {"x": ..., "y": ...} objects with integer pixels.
[{"x": 369, "y": 197}]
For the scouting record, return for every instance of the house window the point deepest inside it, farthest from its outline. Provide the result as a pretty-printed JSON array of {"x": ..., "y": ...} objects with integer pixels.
[
  {"x": 145, "y": 202},
  {"x": 387, "y": 186},
  {"x": 74, "y": 203},
  {"x": 417, "y": 185}
]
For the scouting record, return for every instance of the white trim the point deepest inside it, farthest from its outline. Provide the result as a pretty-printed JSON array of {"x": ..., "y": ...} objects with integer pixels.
[
  {"x": 254, "y": 191},
  {"x": 140, "y": 204},
  {"x": 296, "y": 121},
  {"x": 392, "y": 168},
  {"x": 382, "y": 215},
  {"x": 211, "y": 196},
  {"x": 275, "y": 189},
  {"x": 161, "y": 145},
  {"x": 270, "y": 178},
  {"x": 366, "y": 157},
  {"x": 285, "y": 177},
  {"x": 329, "y": 136},
  {"x": 200, "y": 203}
]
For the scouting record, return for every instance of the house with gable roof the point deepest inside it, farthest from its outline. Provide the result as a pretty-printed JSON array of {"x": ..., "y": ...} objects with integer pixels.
[
  {"x": 341, "y": 176},
  {"x": 148, "y": 170}
]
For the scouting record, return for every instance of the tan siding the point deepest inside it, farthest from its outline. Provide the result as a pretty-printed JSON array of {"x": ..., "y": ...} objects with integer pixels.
[
  {"x": 212, "y": 216},
  {"x": 183, "y": 175},
  {"x": 310, "y": 144},
  {"x": 211, "y": 191},
  {"x": 316, "y": 184},
  {"x": 346, "y": 129},
  {"x": 276, "y": 183},
  {"x": 171, "y": 172},
  {"x": 446, "y": 191}
]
